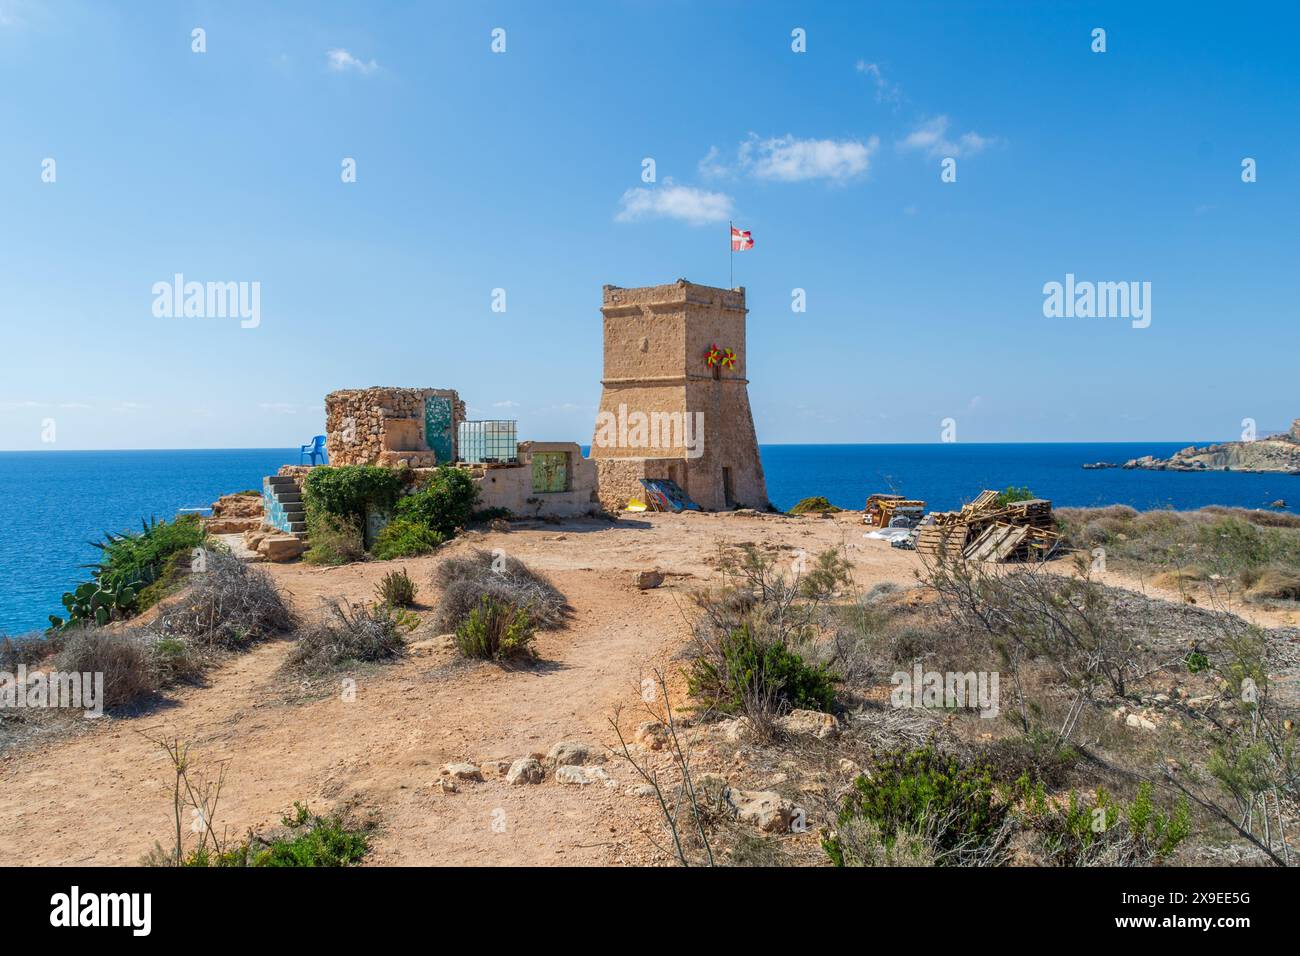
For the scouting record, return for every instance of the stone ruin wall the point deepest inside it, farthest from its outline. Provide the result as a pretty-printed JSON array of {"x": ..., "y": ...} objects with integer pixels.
[{"x": 367, "y": 408}]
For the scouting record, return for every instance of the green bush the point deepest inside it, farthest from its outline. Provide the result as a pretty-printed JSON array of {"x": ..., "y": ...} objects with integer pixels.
[
  {"x": 345, "y": 491},
  {"x": 830, "y": 572},
  {"x": 404, "y": 538},
  {"x": 920, "y": 792},
  {"x": 134, "y": 571},
  {"x": 1105, "y": 832},
  {"x": 396, "y": 589},
  {"x": 496, "y": 631},
  {"x": 444, "y": 504},
  {"x": 311, "y": 841},
  {"x": 768, "y": 669},
  {"x": 317, "y": 841},
  {"x": 1012, "y": 494},
  {"x": 333, "y": 540},
  {"x": 815, "y": 505}
]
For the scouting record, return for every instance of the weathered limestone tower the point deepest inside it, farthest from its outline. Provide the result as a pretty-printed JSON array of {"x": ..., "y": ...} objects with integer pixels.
[{"x": 674, "y": 401}]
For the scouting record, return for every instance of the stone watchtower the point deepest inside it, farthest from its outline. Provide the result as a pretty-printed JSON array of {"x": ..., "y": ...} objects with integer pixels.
[{"x": 674, "y": 401}]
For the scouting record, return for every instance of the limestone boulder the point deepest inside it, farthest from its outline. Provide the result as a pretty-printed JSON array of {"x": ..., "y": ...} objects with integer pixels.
[
  {"x": 765, "y": 809},
  {"x": 810, "y": 723},
  {"x": 281, "y": 547},
  {"x": 523, "y": 771}
]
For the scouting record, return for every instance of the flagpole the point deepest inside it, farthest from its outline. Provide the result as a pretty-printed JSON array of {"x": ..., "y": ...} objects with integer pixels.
[{"x": 732, "y": 255}]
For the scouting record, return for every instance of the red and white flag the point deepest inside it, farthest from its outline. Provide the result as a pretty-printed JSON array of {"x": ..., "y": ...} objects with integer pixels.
[{"x": 740, "y": 241}]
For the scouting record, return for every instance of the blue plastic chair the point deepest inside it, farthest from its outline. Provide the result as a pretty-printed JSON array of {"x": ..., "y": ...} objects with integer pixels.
[{"x": 316, "y": 449}]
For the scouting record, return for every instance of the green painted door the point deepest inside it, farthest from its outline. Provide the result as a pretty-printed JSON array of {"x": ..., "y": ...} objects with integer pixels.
[
  {"x": 550, "y": 471},
  {"x": 437, "y": 427}
]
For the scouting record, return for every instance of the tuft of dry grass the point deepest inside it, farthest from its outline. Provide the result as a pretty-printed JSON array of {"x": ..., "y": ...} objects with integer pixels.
[
  {"x": 465, "y": 581},
  {"x": 344, "y": 634}
]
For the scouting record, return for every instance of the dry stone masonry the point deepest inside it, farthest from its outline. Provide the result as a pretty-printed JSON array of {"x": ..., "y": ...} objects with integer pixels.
[
  {"x": 675, "y": 399},
  {"x": 392, "y": 426}
]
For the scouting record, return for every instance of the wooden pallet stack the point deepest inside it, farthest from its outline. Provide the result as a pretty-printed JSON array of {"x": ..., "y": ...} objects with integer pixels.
[
  {"x": 874, "y": 505},
  {"x": 983, "y": 531},
  {"x": 942, "y": 540},
  {"x": 881, "y": 509}
]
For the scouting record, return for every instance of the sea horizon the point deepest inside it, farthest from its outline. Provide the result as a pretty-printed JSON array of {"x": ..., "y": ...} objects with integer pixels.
[
  {"x": 58, "y": 501},
  {"x": 586, "y": 448}
]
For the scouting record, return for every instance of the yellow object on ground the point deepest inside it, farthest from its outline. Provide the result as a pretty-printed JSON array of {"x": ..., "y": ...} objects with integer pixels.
[{"x": 635, "y": 504}]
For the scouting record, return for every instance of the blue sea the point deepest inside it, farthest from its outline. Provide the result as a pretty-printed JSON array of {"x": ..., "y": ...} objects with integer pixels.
[{"x": 52, "y": 504}]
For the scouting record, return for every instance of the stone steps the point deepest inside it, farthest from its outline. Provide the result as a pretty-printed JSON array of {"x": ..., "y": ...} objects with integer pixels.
[{"x": 288, "y": 511}]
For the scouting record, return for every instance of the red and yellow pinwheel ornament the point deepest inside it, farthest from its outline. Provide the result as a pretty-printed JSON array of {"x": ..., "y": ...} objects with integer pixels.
[{"x": 725, "y": 358}]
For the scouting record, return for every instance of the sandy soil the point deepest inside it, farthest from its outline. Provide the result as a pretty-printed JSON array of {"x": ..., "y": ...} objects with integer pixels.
[{"x": 103, "y": 796}]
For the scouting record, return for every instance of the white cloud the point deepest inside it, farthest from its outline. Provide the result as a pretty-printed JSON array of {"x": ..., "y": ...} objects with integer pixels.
[
  {"x": 280, "y": 408},
  {"x": 886, "y": 92},
  {"x": 669, "y": 201},
  {"x": 341, "y": 61},
  {"x": 931, "y": 137},
  {"x": 711, "y": 166},
  {"x": 506, "y": 404},
  {"x": 788, "y": 159}
]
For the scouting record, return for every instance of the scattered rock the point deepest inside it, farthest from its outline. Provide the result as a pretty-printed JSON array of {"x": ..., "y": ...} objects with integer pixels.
[
  {"x": 462, "y": 771},
  {"x": 640, "y": 790},
  {"x": 652, "y": 735},
  {"x": 596, "y": 774},
  {"x": 765, "y": 809},
  {"x": 568, "y": 753},
  {"x": 567, "y": 773},
  {"x": 1140, "y": 721},
  {"x": 524, "y": 770},
  {"x": 849, "y": 767},
  {"x": 646, "y": 580},
  {"x": 738, "y": 730},
  {"x": 811, "y": 722}
]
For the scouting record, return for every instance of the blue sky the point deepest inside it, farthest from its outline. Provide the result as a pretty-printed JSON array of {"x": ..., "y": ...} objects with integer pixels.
[{"x": 520, "y": 170}]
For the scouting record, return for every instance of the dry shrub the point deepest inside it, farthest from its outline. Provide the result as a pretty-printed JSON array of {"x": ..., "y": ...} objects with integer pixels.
[
  {"x": 1275, "y": 583},
  {"x": 1179, "y": 579},
  {"x": 1264, "y": 519},
  {"x": 173, "y": 661},
  {"x": 122, "y": 657},
  {"x": 228, "y": 606},
  {"x": 1092, "y": 527},
  {"x": 346, "y": 633},
  {"x": 465, "y": 581},
  {"x": 26, "y": 649}
]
